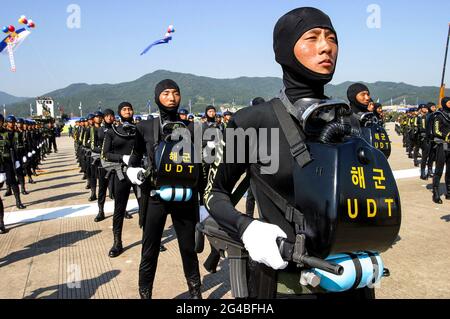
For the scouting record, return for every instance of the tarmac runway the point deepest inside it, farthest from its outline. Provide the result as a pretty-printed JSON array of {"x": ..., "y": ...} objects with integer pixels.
[{"x": 55, "y": 250}]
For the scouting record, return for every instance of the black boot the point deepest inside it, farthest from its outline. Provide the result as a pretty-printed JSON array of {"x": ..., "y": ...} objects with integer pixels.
[
  {"x": 100, "y": 217},
  {"x": 117, "y": 248},
  {"x": 145, "y": 293},
  {"x": 8, "y": 191},
  {"x": 212, "y": 261},
  {"x": 447, "y": 194},
  {"x": 3, "y": 230},
  {"x": 128, "y": 215},
  {"x": 195, "y": 287},
  {"x": 93, "y": 196},
  {"x": 430, "y": 171},
  {"x": 16, "y": 192},
  {"x": 436, "y": 197},
  {"x": 423, "y": 175},
  {"x": 24, "y": 192},
  {"x": 31, "y": 181}
]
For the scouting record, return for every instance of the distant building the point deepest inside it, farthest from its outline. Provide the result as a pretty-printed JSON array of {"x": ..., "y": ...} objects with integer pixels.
[{"x": 45, "y": 106}]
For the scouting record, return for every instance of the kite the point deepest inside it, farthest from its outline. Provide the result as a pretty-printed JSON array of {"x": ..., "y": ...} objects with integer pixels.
[
  {"x": 166, "y": 39},
  {"x": 15, "y": 38}
]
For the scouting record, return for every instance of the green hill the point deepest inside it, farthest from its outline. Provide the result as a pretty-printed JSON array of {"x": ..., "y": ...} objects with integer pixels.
[
  {"x": 9, "y": 99},
  {"x": 202, "y": 90}
]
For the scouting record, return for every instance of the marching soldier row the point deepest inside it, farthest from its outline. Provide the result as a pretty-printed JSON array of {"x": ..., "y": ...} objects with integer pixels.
[
  {"x": 427, "y": 130},
  {"x": 24, "y": 144}
]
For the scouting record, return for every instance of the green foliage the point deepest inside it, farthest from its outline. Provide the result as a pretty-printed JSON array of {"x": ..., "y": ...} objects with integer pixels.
[{"x": 202, "y": 90}]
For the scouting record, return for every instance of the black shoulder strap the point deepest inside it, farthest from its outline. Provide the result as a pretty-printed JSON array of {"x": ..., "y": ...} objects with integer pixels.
[
  {"x": 295, "y": 137},
  {"x": 156, "y": 132},
  {"x": 292, "y": 214}
]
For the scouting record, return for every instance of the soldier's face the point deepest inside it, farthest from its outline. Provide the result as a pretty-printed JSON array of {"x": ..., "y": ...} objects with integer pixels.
[
  {"x": 317, "y": 50},
  {"x": 109, "y": 119},
  {"x": 98, "y": 120},
  {"x": 11, "y": 125},
  {"x": 170, "y": 98},
  {"x": 363, "y": 98},
  {"x": 126, "y": 112}
]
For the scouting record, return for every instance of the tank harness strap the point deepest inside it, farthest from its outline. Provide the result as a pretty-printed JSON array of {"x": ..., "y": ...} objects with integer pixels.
[
  {"x": 292, "y": 214},
  {"x": 376, "y": 270},
  {"x": 172, "y": 197},
  {"x": 358, "y": 269},
  {"x": 294, "y": 136}
]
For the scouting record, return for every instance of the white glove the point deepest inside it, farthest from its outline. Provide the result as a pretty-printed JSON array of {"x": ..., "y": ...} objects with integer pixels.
[
  {"x": 2, "y": 177},
  {"x": 260, "y": 241},
  {"x": 30, "y": 154},
  {"x": 17, "y": 164},
  {"x": 24, "y": 159},
  {"x": 126, "y": 159},
  {"x": 132, "y": 173},
  {"x": 211, "y": 144},
  {"x": 39, "y": 146},
  {"x": 34, "y": 152}
]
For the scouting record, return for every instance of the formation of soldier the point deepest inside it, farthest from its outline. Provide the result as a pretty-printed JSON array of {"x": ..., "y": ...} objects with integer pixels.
[
  {"x": 425, "y": 132},
  {"x": 24, "y": 144}
]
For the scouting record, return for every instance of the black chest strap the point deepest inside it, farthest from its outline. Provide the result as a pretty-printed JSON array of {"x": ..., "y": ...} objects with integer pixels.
[
  {"x": 294, "y": 136},
  {"x": 292, "y": 214}
]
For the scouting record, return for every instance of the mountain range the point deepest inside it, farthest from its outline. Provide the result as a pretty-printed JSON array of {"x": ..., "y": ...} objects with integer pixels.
[{"x": 201, "y": 91}]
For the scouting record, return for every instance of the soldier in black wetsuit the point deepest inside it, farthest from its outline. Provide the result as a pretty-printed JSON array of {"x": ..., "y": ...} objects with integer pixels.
[
  {"x": 422, "y": 141},
  {"x": 3, "y": 230},
  {"x": 155, "y": 210},
  {"x": 10, "y": 158},
  {"x": 430, "y": 138},
  {"x": 117, "y": 148},
  {"x": 103, "y": 182},
  {"x": 358, "y": 95},
  {"x": 95, "y": 146},
  {"x": 304, "y": 76},
  {"x": 441, "y": 132}
]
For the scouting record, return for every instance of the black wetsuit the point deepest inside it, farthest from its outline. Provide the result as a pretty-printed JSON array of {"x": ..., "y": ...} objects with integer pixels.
[
  {"x": 184, "y": 216},
  {"x": 114, "y": 148},
  {"x": 103, "y": 182},
  {"x": 441, "y": 132},
  {"x": 299, "y": 83},
  {"x": 431, "y": 144},
  {"x": 9, "y": 157},
  {"x": 422, "y": 143}
]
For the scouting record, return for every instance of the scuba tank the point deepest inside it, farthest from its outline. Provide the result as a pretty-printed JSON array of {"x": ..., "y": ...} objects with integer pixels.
[
  {"x": 375, "y": 134},
  {"x": 351, "y": 205},
  {"x": 352, "y": 201},
  {"x": 360, "y": 270},
  {"x": 175, "y": 173}
]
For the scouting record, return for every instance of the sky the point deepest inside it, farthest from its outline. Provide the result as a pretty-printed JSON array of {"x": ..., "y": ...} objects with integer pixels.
[{"x": 216, "y": 38}]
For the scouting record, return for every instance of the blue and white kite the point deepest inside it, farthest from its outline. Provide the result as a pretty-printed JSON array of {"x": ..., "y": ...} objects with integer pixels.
[{"x": 166, "y": 39}]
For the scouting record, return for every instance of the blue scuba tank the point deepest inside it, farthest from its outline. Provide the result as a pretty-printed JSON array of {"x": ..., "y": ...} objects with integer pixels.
[
  {"x": 360, "y": 270},
  {"x": 175, "y": 194}
]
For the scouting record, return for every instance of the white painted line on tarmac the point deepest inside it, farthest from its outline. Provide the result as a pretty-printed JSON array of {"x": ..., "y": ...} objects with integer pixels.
[{"x": 29, "y": 216}]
